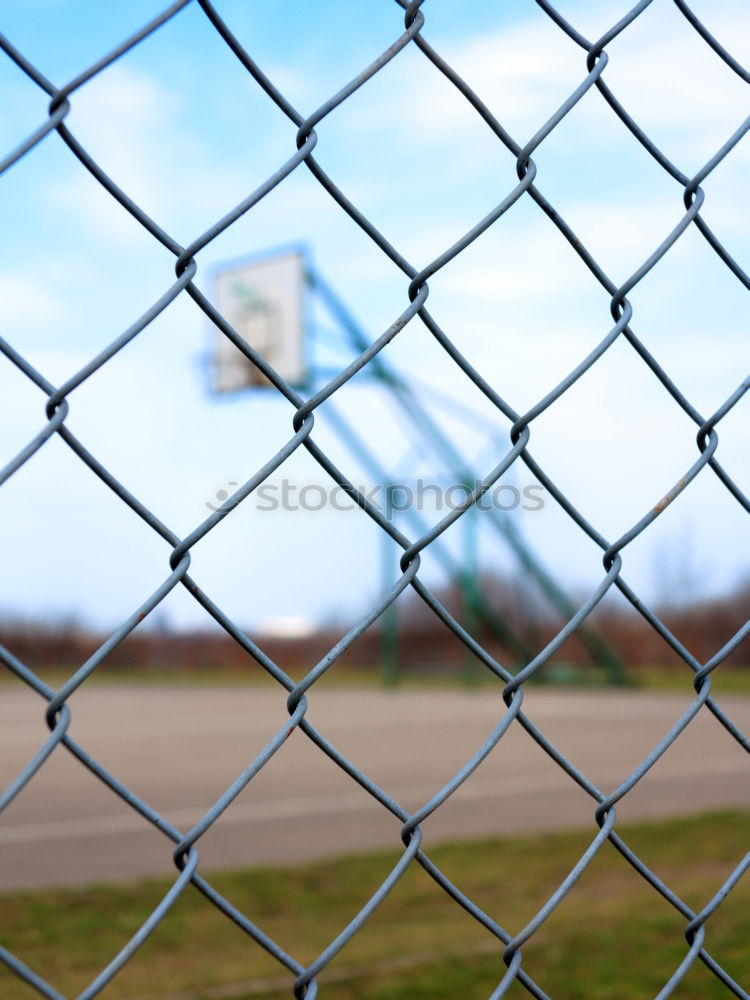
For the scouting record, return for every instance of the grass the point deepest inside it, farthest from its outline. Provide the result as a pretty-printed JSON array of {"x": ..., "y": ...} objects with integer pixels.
[
  {"x": 725, "y": 682},
  {"x": 613, "y": 938},
  {"x": 734, "y": 680}
]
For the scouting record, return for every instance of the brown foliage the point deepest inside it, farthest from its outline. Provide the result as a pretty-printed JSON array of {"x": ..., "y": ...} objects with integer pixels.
[{"x": 424, "y": 644}]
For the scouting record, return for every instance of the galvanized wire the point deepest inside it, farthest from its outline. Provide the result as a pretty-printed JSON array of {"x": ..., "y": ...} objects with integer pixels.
[{"x": 185, "y": 844}]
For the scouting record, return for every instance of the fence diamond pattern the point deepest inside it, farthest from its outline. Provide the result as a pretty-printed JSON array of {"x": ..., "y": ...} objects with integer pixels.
[{"x": 411, "y": 28}]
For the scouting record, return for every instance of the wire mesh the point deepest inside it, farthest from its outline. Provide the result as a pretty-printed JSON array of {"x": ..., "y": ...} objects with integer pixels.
[{"x": 185, "y": 843}]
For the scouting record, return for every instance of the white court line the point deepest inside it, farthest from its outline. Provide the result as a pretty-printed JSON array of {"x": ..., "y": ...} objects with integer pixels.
[{"x": 301, "y": 806}]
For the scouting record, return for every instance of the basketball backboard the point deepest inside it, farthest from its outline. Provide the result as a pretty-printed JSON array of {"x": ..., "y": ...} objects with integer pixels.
[{"x": 263, "y": 301}]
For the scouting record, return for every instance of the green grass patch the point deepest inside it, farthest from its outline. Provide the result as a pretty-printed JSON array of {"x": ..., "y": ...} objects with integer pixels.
[
  {"x": 726, "y": 680},
  {"x": 612, "y": 938},
  {"x": 732, "y": 680}
]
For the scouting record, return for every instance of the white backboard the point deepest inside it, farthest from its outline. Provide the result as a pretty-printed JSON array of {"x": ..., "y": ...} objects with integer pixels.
[{"x": 263, "y": 301}]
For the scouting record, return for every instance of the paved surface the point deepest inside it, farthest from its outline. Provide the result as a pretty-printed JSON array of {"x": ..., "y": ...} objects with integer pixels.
[{"x": 179, "y": 747}]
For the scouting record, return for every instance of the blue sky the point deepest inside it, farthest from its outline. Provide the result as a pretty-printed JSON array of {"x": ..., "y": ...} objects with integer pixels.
[{"x": 184, "y": 129}]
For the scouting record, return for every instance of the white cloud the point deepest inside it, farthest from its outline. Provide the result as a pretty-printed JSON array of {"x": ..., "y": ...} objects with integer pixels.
[
  {"x": 137, "y": 127},
  {"x": 662, "y": 71},
  {"x": 28, "y": 302}
]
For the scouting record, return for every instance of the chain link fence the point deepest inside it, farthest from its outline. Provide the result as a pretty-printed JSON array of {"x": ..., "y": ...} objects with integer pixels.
[{"x": 185, "y": 843}]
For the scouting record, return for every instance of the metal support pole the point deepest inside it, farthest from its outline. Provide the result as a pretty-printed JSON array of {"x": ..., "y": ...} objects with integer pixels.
[
  {"x": 597, "y": 648},
  {"x": 389, "y": 652}
]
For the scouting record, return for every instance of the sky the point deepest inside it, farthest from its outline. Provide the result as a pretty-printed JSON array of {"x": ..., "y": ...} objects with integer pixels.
[{"x": 184, "y": 129}]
